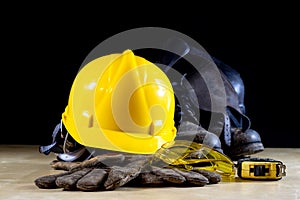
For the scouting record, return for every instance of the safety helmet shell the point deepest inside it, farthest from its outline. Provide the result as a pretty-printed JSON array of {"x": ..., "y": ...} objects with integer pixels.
[{"x": 121, "y": 102}]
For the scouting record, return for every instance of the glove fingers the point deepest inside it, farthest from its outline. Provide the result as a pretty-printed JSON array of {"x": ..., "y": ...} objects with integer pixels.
[
  {"x": 164, "y": 177},
  {"x": 169, "y": 175},
  {"x": 92, "y": 181},
  {"x": 157, "y": 177},
  {"x": 69, "y": 181},
  {"x": 48, "y": 182},
  {"x": 193, "y": 178},
  {"x": 119, "y": 176},
  {"x": 212, "y": 177},
  {"x": 147, "y": 179}
]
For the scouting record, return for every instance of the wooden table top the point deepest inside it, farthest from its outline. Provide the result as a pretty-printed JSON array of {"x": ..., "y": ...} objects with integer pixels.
[{"x": 22, "y": 164}]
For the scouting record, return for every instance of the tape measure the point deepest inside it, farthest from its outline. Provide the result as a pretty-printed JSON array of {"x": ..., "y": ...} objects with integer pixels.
[{"x": 260, "y": 169}]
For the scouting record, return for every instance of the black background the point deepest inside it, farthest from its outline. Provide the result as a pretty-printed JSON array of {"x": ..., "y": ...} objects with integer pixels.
[{"x": 43, "y": 48}]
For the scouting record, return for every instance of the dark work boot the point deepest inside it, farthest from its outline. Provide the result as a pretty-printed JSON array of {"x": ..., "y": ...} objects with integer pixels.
[
  {"x": 194, "y": 133},
  {"x": 199, "y": 94},
  {"x": 239, "y": 140},
  {"x": 243, "y": 144}
]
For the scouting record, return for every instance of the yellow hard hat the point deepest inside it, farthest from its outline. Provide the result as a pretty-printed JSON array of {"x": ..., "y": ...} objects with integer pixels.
[{"x": 121, "y": 102}]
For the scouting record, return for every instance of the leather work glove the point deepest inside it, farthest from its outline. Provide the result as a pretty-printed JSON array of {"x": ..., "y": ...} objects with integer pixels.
[{"x": 109, "y": 171}]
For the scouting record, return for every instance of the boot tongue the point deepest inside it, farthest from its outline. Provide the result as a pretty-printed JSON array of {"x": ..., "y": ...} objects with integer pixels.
[
  {"x": 238, "y": 119},
  {"x": 235, "y": 90}
]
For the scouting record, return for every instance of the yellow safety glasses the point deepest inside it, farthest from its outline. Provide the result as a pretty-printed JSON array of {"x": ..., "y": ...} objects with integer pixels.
[{"x": 191, "y": 155}]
